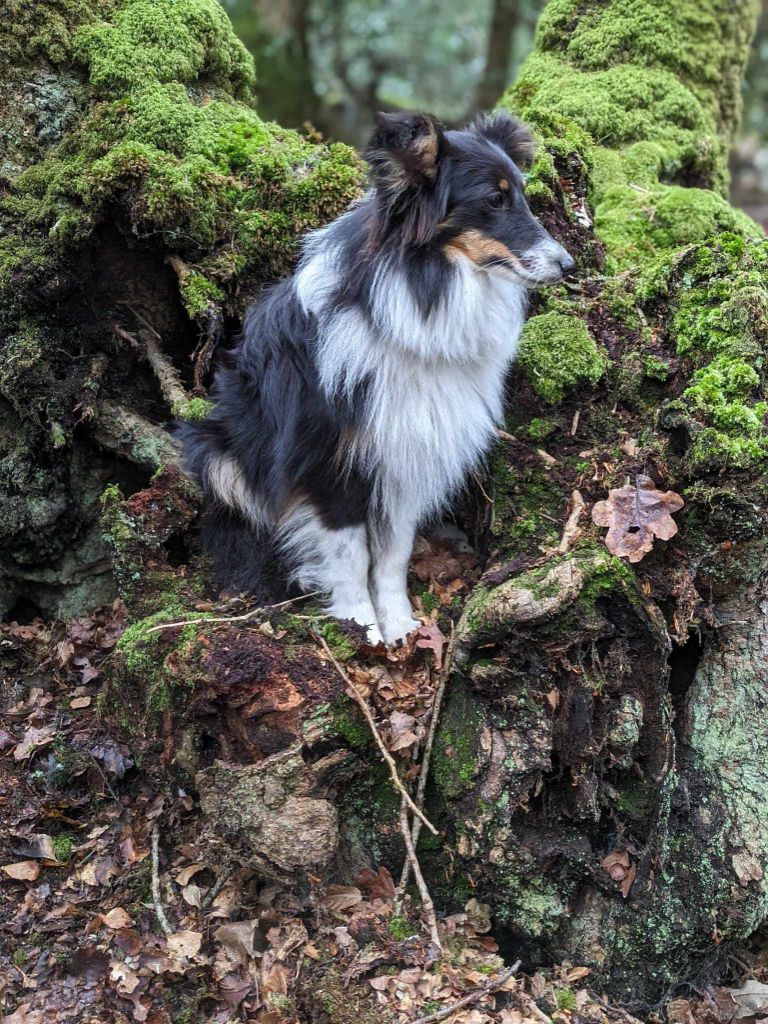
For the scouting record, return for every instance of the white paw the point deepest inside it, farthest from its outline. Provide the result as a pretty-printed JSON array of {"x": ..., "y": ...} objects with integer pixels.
[{"x": 398, "y": 628}]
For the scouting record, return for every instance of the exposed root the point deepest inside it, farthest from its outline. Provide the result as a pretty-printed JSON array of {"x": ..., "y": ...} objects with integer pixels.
[{"x": 131, "y": 436}]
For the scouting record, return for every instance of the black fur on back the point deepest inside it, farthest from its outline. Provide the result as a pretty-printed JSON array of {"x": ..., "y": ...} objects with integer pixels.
[{"x": 273, "y": 419}]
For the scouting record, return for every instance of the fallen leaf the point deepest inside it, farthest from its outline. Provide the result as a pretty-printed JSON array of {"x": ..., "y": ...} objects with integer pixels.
[
  {"x": 80, "y": 702},
  {"x": 185, "y": 943},
  {"x": 23, "y": 871},
  {"x": 431, "y": 639},
  {"x": 117, "y": 919},
  {"x": 616, "y": 864},
  {"x": 243, "y": 938},
  {"x": 33, "y": 740},
  {"x": 750, "y": 999},
  {"x": 635, "y": 515},
  {"x": 342, "y": 897},
  {"x": 378, "y": 884}
]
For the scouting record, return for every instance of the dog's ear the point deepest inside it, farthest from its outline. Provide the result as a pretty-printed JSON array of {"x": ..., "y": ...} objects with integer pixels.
[
  {"x": 508, "y": 134},
  {"x": 404, "y": 151}
]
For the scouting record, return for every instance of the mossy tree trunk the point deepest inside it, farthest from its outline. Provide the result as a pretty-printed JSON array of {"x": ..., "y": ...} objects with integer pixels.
[{"x": 600, "y": 770}]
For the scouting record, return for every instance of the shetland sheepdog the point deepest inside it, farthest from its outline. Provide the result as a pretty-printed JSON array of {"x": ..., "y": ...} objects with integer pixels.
[{"x": 368, "y": 385}]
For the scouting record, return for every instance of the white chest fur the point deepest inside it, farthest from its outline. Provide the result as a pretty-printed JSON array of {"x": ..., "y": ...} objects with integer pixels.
[{"x": 434, "y": 385}]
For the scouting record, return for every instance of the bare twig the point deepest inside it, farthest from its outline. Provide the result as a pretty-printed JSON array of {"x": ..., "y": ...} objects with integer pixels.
[
  {"x": 156, "y": 898},
  {"x": 437, "y": 703},
  {"x": 234, "y": 618},
  {"x": 413, "y": 860},
  {"x": 471, "y": 997},
  {"x": 575, "y": 422},
  {"x": 358, "y": 698},
  {"x": 224, "y": 876},
  {"x": 571, "y": 530},
  {"x": 167, "y": 376}
]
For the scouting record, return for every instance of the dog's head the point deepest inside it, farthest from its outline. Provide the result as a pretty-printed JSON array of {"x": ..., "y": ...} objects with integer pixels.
[{"x": 462, "y": 191}]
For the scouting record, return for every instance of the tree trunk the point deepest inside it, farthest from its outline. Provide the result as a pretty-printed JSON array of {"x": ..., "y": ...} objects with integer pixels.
[
  {"x": 505, "y": 18},
  {"x": 600, "y": 766}
]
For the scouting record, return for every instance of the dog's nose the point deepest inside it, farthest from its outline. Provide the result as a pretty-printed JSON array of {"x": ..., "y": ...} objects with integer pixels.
[{"x": 566, "y": 263}]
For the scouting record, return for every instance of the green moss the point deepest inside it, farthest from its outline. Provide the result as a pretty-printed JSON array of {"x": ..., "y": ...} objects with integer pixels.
[
  {"x": 539, "y": 429},
  {"x": 557, "y": 352},
  {"x": 347, "y": 721},
  {"x": 565, "y": 998},
  {"x": 144, "y": 679},
  {"x": 162, "y": 41},
  {"x": 401, "y": 928},
  {"x": 456, "y": 753},
  {"x": 192, "y": 409},
  {"x": 339, "y": 642},
  {"x": 170, "y": 136},
  {"x": 62, "y": 847}
]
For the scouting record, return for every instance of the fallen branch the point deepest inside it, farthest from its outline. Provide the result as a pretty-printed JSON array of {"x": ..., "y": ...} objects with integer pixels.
[
  {"x": 234, "y": 618},
  {"x": 470, "y": 997},
  {"x": 352, "y": 691},
  {"x": 156, "y": 897},
  {"x": 421, "y": 788},
  {"x": 413, "y": 860}
]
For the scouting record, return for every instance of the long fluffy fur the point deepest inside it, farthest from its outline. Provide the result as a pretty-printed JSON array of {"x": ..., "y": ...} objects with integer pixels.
[{"x": 369, "y": 384}]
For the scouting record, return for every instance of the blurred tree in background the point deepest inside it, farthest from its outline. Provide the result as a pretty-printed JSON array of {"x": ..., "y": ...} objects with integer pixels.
[
  {"x": 749, "y": 159},
  {"x": 336, "y": 62}
]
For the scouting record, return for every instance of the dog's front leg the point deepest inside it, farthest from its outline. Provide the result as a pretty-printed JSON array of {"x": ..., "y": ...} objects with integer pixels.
[{"x": 389, "y": 581}]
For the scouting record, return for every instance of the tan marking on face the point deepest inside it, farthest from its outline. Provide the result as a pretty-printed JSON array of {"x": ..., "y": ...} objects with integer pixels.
[
  {"x": 479, "y": 248},
  {"x": 504, "y": 185}
]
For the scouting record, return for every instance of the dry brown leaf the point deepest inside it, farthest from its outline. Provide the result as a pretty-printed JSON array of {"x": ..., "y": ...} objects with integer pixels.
[
  {"x": 616, "y": 864},
  {"x": 342, "y": 897},
  {"x": 80, "y": 702},
  {"x": 431, "y": 639},
  {"x": 117, "y": 919},
  {"x": 634, "y": 515},
  {"x": 185, "y": 944},
  {"x": 23, "y": 871},
  {"x": 378, "y": 884},
  {"x": 243, "y": 938}
]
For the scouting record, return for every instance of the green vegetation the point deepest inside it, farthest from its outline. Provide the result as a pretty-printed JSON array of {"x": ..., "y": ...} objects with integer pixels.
[{"x": 557, "y": 352}]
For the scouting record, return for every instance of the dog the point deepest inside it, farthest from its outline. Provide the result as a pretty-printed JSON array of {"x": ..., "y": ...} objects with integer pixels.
[{"x": 367, "y": 386}]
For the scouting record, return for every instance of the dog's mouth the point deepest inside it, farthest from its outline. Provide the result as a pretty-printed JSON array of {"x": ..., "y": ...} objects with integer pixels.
[{"x": 530, "y": 273}]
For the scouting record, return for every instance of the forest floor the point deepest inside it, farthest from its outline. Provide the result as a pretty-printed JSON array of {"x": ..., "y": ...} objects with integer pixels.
[{"x": 97, "y": 928}]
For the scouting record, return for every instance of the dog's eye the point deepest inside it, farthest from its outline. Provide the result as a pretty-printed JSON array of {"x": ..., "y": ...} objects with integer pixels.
[{"x": 495, "y": 200}]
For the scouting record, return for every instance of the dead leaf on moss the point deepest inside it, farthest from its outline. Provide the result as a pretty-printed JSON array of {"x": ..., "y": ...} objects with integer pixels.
[{"x": 635, "y": 515}]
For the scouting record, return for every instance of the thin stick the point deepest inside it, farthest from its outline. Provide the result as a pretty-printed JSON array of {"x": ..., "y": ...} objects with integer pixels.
[
  {"x": 426, "y": 899},
  {"x": 167, "y": 376},
  {"x": 470, "y": 997},
  {"x": 571, "y": 530},
  {"x": 437, "y": 704},
  {"x": 235, "y": 618},
  {"x": 358, "y": 698},
  {"x": 156, "y": 898},
  {"x": 217, "y": 886}
]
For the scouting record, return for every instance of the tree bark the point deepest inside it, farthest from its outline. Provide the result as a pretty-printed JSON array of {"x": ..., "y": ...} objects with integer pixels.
[{"x": 600, "y": 766}]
